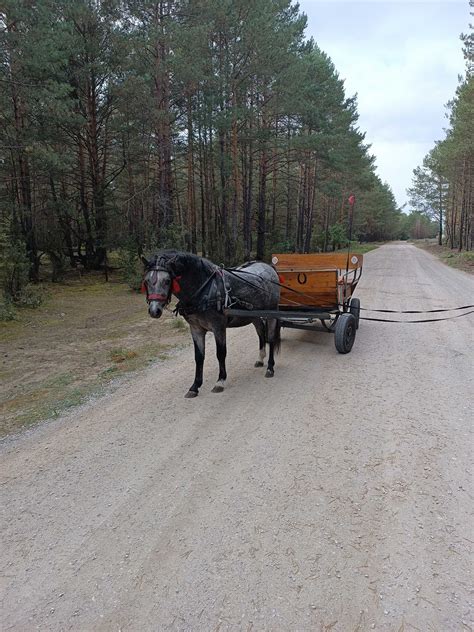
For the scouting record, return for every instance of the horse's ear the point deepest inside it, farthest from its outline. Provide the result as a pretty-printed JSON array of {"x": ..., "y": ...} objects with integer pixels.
[{"x": 145, "y": 261}]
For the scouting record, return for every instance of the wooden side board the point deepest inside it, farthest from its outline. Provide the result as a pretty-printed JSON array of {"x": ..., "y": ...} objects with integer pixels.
[
  {"x": 317, "y": 288},
  {"x": 325, "y": 260},
  {"x": 318, "y": 278}
]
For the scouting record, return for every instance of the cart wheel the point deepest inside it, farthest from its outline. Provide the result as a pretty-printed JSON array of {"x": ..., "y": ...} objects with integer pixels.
[
  {"x": 345, "y": 332},
  {"x": 355, "y": 310}
]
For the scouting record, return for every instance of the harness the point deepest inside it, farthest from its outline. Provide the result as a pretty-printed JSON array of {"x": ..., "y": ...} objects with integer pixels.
[{"x": 212, "y": 294}]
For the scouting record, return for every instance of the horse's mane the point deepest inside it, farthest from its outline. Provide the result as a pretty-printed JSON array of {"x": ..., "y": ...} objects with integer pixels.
[{"x": 178, "y": 258}]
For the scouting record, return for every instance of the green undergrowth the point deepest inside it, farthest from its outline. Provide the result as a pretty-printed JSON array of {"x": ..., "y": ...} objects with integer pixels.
[
  {"x": 361, "y": 249},
  {"x": 461, "y": 260}
]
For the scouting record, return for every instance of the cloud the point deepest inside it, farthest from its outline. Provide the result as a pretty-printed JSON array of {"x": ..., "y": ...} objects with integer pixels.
[
  {"x": 403, "y": 60},
  {"x": 405, "y": 97},
  {"x": 392, "y": 161}
]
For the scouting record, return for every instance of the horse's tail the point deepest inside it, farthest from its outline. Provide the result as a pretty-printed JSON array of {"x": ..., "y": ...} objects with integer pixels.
[{"x": 276, "y": 339}]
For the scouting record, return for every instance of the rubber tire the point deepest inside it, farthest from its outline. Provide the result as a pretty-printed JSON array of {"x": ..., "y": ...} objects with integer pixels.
[
  {"x": 354, "y": 308},
  {"x": 345, "y": 332}
]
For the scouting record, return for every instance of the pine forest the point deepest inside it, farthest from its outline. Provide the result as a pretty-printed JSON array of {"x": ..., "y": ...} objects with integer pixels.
[
  {"x": 443, "y": 186},
  {"x": 213, "y": 126}
]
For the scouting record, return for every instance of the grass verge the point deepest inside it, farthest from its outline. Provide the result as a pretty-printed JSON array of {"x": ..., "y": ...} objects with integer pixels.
[
  {"x": 460, "y": 260},
  {"x": 361, "y": 249},
  {"x": 86, "y": 334}
]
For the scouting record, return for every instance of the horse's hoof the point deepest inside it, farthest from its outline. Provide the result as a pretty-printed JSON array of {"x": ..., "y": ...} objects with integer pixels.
[
  {"x": 217, "y": 389},
  {"x": 191, "y": 394},
  {"x": 269, "y": 373},
  {"x": 258, "y": 364}
]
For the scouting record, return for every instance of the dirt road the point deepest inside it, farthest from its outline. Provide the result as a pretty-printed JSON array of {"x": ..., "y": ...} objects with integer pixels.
[{"x": 335, "y": 496}]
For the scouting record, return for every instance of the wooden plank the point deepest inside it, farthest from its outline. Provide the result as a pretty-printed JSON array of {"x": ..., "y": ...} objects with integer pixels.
[
  {"x": 322, "y": 300},
  {"x": 314, "y": 261},
  {"x": 317, "y": 288}
]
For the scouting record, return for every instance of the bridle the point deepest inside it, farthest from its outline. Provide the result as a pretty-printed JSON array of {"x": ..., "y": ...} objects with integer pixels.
[
  {"x": 174, "y": 286},
  {"x": 157, "y": 297}
]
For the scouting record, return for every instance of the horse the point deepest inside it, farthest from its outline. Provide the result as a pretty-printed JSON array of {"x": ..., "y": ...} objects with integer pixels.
[{"x": 204, "y": 291}]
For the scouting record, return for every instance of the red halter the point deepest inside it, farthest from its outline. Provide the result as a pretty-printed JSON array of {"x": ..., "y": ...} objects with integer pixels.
[
  {"x": 157, "y": 297},
  {"x": 175, "y": 289}
]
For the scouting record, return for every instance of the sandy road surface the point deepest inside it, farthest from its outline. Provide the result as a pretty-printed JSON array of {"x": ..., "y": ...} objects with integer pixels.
[{"x": 334, "y": 497}]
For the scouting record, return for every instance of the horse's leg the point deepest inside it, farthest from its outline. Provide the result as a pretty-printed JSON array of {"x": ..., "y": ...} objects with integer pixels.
[
  {"x": 199, "y": 339},
  {"x": 273, "y": 333},
  {"x": 260, "y": 327},
  {"x": 221, "y": 350}
]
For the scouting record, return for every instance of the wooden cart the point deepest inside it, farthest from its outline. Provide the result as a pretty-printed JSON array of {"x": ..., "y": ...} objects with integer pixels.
[
  {"x": 319, "y": 288},
  {"x": 317, "y": 294}
]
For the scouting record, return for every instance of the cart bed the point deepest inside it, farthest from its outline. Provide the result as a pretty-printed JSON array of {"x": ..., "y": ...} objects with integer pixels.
[{"x": 325, "y": 280}]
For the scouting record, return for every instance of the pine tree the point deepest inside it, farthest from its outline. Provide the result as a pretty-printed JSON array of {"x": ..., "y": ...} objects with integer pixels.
[{"x": 430, "y": 190}]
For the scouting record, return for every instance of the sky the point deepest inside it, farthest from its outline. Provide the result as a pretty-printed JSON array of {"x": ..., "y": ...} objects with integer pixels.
[{"x": 402, "y": 58}]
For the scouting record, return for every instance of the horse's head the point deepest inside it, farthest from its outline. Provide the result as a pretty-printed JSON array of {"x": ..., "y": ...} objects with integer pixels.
[{"x": 157, "y": 284}]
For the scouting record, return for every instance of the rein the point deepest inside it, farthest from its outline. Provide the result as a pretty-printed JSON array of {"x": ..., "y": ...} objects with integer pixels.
[
  {"x": 188, "y": 308},
  {"x": 368, "y": 309}
]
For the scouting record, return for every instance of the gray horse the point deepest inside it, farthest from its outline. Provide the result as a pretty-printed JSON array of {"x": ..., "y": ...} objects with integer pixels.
[{"x": 204, "y": 291}]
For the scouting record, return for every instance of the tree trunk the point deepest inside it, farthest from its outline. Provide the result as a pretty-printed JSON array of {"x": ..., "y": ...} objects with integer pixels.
[
  {"x": 191, "y": 195},
  {"x": 23, "y": 187},
  {"x": 310, "y": 214},
  {"x": 440, "y": 194},
  {"x": 248, "y": 180},
  {"x": 235, "y": 176},
  {"x": 203, "y": 191},
  {"x": 89, "y": 241},
  {"x": 163, "y": 215},
  {"x": 288, "y": 224}
]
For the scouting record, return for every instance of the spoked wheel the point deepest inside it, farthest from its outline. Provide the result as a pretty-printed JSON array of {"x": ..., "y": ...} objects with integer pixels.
[
  {"x": 354, "y": 308},
  {"x": 345, "y": 332}
]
